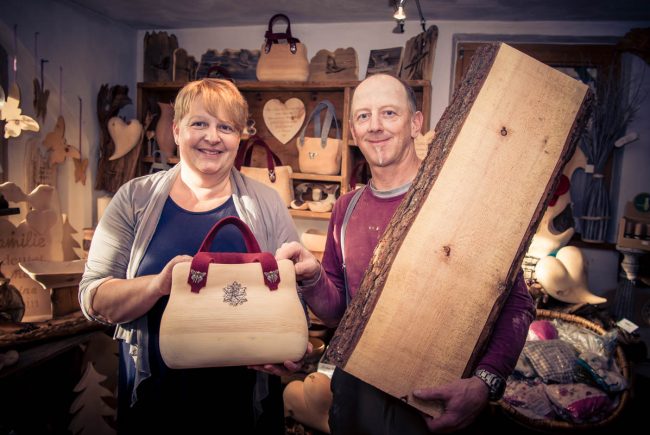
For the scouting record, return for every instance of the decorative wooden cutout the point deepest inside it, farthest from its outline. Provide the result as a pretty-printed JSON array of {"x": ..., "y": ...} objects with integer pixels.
[
  {"x": 41, "y": 96},
  {"x": 125, "y": 136},
  {"x": 15, "y": 122},
  {"x": 342, "y": 64},
  {"x": 185, "y": 66},
  {"x": 384, "y": 61},
  {"x": 419, "y": 54},
  {"x": 158, "y": 56},
  {"x": 239, "y": 64},
  {"x": 38, "y": 237},
  {"x": 80, "y": 168},
  {"x": 422, "y": 143},
  {"x": 284, "y": 120},
  {"x": 440, "y": 272},
  {"x": 111, "y": 174},
  {"x": 37, "y": 164},
  {"x": 56, "y": 143}
]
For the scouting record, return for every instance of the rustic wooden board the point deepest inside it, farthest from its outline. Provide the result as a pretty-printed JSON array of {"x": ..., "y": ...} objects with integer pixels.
[{"x": 441, "y": 271}]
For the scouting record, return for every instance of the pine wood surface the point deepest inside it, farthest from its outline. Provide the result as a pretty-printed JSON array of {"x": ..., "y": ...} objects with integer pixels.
[{"x": 442, "y": 269}]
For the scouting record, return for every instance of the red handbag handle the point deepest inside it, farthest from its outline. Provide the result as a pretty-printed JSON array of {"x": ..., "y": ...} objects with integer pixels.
[
  {"x": 271, "y": 158},
  {"x": 198, "y": 276},
  {"x": 274, "y": 38}
]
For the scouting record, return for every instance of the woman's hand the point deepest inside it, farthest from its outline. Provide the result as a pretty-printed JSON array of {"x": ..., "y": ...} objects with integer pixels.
[
  {"x": 161, "y": 284},
  {"x": 462, "y": 401},
  {"x": 285, "y": 368},
  {"x": 306, "y": 265}
]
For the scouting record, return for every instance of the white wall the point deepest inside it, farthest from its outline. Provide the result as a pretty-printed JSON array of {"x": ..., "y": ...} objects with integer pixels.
[{"x": 92, "y": 50}]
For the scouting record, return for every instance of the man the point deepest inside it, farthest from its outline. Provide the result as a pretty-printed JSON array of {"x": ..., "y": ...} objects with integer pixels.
[{"x": 384, "y": 122}]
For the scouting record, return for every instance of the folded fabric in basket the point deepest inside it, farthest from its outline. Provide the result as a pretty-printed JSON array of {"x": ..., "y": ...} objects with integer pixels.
[{"x": 553, "y": 360}]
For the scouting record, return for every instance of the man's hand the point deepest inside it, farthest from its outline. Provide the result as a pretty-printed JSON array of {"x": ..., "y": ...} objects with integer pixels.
[
  {"x": 462, "y": 401},
  {"x": 307, "y": 266},
  {"x": 285, "y": 368}
]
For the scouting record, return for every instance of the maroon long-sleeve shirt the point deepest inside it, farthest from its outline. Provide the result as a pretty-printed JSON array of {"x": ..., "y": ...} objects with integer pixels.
[{"x": 372, "y": 213}]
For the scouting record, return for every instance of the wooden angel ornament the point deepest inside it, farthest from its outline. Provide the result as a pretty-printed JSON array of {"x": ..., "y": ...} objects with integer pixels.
[{"x": 11, "y": 113}]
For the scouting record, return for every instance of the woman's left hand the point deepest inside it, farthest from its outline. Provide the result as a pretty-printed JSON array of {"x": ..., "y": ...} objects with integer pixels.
[{"x": 284, "y": 369}]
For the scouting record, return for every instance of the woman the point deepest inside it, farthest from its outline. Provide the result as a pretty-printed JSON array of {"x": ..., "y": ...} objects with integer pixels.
[{"x": 158, "y": 220}]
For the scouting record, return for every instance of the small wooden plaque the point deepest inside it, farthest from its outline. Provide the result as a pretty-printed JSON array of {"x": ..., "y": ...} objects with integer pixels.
[
  {"x": 442, "y": 269},
  {"x": 342, "y": 64}
]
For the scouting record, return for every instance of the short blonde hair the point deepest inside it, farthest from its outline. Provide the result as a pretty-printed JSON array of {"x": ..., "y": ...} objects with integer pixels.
[{"x": 216, "y": 94}]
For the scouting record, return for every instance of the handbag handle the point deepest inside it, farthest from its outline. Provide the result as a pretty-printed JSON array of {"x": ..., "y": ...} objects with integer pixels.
[
  {"x": 272, "y": 159},
  {"x": 327, "y": 123},
  {"x": 274, "y": 38},
  {"x": 198, "y": 276}
]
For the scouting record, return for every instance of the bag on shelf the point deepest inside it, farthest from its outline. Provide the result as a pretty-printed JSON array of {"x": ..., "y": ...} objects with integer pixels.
[
  {"x": 320, "y": 154},
  {"x": 274, "y": 175},
  {"x": 232, "y": 309},
  {"x": 282, "y": 61}
]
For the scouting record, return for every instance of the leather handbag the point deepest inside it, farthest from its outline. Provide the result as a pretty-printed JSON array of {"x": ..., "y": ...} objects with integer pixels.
[
  {"x": 274, "y": 175},
  {"x": 282, "y": 61},
  {"x": 320, "y": 154},
  {"x": 232, "y": 309}
]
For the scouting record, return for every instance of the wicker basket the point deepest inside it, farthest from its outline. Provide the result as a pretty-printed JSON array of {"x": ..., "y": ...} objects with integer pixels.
[{"x": 559, "y": 425}]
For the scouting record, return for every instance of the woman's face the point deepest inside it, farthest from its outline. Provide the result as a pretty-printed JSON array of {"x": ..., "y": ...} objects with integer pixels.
[{"x": 207, "y": 144}]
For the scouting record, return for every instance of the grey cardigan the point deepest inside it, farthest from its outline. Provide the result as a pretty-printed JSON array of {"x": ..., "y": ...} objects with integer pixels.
[{"x": 129, "y": 222}]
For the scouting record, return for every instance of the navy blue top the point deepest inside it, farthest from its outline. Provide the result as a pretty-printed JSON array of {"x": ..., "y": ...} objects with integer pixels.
[{"x": 170, "y": 398}]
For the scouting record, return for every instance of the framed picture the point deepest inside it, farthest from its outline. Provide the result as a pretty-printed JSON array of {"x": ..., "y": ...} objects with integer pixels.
[{"x": 385, "y": 61}]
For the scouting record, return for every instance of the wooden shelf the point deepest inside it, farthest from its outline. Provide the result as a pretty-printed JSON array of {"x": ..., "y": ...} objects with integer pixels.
[
  {"x": 308, "y": 214},
  {"x": 316, "y": 177}
]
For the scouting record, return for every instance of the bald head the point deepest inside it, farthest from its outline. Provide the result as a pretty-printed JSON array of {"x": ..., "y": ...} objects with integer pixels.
[{"x": 378, "y": 83}]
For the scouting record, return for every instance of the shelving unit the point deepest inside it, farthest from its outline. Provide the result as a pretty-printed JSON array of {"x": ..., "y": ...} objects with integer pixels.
[{"x": 258, "y": 93}]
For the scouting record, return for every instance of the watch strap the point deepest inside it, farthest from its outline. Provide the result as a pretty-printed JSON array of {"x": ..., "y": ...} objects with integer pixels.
[{"x": 495, "y": 383}]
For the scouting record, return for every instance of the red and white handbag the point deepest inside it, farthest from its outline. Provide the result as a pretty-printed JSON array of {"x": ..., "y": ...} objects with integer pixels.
[{"x": 231, "y": 309}]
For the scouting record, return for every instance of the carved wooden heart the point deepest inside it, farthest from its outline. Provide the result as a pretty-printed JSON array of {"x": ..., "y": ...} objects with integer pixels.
[
  {"x": 125, "y": 136},
  {"x": 284, "y": 119}
]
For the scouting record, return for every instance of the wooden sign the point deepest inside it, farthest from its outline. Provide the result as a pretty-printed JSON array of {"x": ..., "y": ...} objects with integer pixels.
[
  {"x": 442, "y": 269},
  {"x": 239, "y": 64},
  {"x": 342, "y": 64},
  {"x": 384, "y": 61},
  {"x": 38, "y": 237},
  {"x": 284, "y": 120},
  {"x": 419, "y": 54}
]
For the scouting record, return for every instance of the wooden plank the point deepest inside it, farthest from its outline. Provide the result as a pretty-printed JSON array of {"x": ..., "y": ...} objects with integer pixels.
[{"x": 443, "y": 267}]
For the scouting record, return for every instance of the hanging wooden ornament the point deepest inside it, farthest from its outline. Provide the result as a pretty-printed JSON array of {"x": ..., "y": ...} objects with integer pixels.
[
  {"x": 80, "y": 164},
  {"x": 41, "y": 95},
  {"x": 10, "y": 112},
  {"x": 15, "y": 121},
  {"x": 55, "y": 140}
]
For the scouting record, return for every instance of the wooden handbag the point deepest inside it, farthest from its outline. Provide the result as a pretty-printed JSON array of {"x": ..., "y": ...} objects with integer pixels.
[
  {"x": 232, "y": 309},
  {"x": 282, "y": 61},
  {"x": 320, "y": 154},
  {"x": 274, "y": 175}
]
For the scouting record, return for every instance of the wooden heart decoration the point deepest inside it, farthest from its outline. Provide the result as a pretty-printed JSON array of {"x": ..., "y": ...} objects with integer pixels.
[
  {"x": 284, "y": 120},
  {"x": 125, "y": 136}
]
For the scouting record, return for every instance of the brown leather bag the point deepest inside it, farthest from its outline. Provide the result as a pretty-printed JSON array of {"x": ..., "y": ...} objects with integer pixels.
[{"x": 282, "y": 61}]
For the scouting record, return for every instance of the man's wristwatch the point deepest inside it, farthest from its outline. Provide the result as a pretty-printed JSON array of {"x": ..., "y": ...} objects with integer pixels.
[{"x": 495, "y": 383}]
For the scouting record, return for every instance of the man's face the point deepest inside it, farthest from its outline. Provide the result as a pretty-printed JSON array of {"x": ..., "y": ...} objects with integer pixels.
[{"x": 382, "y": 124}]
